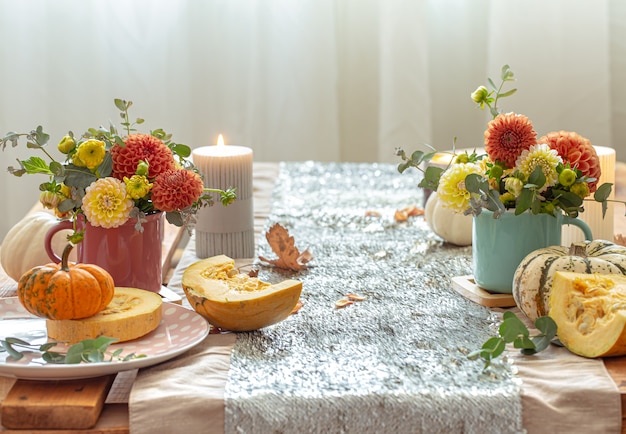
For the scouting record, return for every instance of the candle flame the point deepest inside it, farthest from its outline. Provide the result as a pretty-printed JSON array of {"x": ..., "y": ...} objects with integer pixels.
[{"x": 220, "y": 140}]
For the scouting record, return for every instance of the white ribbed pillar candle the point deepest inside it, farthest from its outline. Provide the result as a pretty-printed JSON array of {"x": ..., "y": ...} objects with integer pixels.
[
  {"x": 601, "y": 228},
  {"x": 226, "y": 230}
]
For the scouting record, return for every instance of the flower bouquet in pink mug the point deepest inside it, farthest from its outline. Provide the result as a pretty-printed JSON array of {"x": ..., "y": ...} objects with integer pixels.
[{"x": 111, "y": 186}]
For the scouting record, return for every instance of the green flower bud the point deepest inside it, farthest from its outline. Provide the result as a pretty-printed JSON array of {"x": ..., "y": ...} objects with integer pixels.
[
  {"x": 549, "y": 208},
  {"x": 496, "y": 172},
  {"x": 567, "y": 177},
  {"x": 142, "y": 168},
  {"x": 513, "y": 186},
  {"x": 580, "y": 189},
  {"x": 66, "y": 145},
  {"x": 461, "y": 158},
  {"x": 49, "y": 199},
  {"x": 480, "y": 95}
]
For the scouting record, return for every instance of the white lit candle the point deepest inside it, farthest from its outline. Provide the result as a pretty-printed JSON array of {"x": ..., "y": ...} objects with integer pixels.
[
  {"x": 601, "y": 228},
  {"x": 226, "y": 230}
]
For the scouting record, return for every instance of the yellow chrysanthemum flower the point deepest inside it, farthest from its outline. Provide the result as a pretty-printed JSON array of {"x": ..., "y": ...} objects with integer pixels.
[
  {"x": 137, "y": 186},
  {"x": 540, "y": 155},
  {"x": 452, "y": 192},
  {"x": 91, "y": 153},
  {"x": 106, "y": 203}
]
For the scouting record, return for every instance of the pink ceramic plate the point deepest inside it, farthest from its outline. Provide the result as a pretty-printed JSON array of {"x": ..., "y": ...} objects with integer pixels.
[{"x": 180, "y": 330}]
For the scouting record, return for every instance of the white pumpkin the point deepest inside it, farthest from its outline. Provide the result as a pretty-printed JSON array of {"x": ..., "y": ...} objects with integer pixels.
[
  {"x": 453, "y": 227},
  {"x": 23, "y": 246},
  {"x": 532, "y": 282}
]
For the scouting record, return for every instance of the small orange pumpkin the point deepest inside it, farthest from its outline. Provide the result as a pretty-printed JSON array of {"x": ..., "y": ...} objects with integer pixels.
[{"x": 65, "y": 290}]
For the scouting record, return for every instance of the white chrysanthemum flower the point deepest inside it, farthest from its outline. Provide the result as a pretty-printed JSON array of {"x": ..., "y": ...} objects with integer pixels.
[
  {"x": 451, "y": 191},
  {"x": 540, "y": 155}
]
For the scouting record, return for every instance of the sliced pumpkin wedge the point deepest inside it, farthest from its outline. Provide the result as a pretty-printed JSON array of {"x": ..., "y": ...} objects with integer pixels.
[
  {"x": 234, "y": 301},
  {"x": 590, "y": 313},
  {"x": 131, "y": 314}
]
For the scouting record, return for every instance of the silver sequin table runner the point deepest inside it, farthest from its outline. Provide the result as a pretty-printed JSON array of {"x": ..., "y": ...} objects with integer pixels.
[{"x": 395, "y": 362}]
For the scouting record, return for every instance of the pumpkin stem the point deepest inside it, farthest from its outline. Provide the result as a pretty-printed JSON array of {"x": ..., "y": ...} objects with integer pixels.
[
  {"x": 65, "y": 256},
  {"x": 578, "y": 249}
]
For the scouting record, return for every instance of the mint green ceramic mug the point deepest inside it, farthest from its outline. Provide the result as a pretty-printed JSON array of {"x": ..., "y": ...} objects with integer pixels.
[{"x": 499, "y": 245}]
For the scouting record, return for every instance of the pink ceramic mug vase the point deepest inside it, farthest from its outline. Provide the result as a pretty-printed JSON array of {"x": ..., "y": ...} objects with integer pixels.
[{"x": 132, "y": 258}]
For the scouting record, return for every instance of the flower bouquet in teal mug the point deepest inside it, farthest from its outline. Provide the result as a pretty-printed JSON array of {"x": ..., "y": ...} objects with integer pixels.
[{"x": 521, "y": 190}]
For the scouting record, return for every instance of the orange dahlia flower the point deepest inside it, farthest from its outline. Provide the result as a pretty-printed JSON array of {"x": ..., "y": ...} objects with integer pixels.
[
  {"x": 176, "y": 189},
  {"x": 577, "y": 151},
  {"x": 507, "y": 135},
  {"x": 141, "y": 147}
]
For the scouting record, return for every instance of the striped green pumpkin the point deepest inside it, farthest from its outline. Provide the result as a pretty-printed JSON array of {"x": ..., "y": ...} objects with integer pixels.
[{"x": 532, "y": 281}]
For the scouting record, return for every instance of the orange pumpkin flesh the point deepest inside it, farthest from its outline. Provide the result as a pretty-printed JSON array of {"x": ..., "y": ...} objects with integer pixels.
[
  {"x": 65, "y": 290},
  {"x": 590, "y": 313},
  {"x": 234, "y": 301}
]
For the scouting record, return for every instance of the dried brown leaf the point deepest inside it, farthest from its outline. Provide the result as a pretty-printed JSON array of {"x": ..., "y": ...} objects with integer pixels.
[
  {"x": 289, "y": 257},
  {"x": 620, "y": 239},
  {"x": 297, "y": 307},
  {"x": 343, "y": 302},
  {"x": 403, "y": 214}
]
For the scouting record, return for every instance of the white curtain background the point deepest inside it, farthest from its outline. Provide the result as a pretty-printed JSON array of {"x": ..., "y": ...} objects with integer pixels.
[{"x": 327, "y": 80}]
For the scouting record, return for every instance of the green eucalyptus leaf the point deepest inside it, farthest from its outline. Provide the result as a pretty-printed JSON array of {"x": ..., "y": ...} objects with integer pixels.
[
  {"x": 174, "y": 218},
  {"x": 16, "y": 341},
  {"x": 431, "y": 177},
  {"x": 118, "y": 141},
  {"x": 41, "y": 138},
  {"x": 53, "y": 357},
  {"x": 537, "y": 178},
  {"x": 94, "y": 356},
  {"x": 182, "y": 150},
  {"x": 74, "y": 353},
  {"x": 47, "y": 346},
  {"x": 79, "y": 177},
  {"x": 106, "y": 167},
  {"x": 567, "y": 199},
  {"x": 68, "y": 205},
  {"x": 473, "y": 183},
  {"x": 523, "y": 342},
  {"x": 57, "y": 168},
  {"x": 511, "y": 328},
  {"x": 403, "y": 166},
  {"x": 492, "y": 348},
  {"x": 547, "y": 326},
  {"x": 8, "y": 347},
  {"x": 524, "y": 201},
  {"x": 541, "y": 342},
  {"x": 603, "y": 192},
  {"x": 120, "y": 104},
  {"x": 508, "y": 93},
  {"x": 102, "y": 343}
]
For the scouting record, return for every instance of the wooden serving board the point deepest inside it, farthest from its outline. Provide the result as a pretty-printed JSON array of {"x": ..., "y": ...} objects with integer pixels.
[
  {"x": 466, "y": 286},
  {"x": 63, "y": 404}
]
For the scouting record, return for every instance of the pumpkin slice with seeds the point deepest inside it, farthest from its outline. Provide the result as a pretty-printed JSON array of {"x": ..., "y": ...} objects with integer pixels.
[
  {"x": 132, "y": 313},
  {"x": 234, "y": 301},
  {"x": 590, "y": 313}
]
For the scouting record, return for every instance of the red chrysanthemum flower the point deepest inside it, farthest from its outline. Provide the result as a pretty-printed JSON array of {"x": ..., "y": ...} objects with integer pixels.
[
  {"x": 176, "y": 189},
  {"x": 507, "y": 136},
  {"x": 577, "y": 151},
  {"x": 141, "y": 147}
]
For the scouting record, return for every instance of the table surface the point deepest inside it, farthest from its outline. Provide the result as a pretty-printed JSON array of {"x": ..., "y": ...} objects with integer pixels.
[{"x": 114, "y": 417}]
